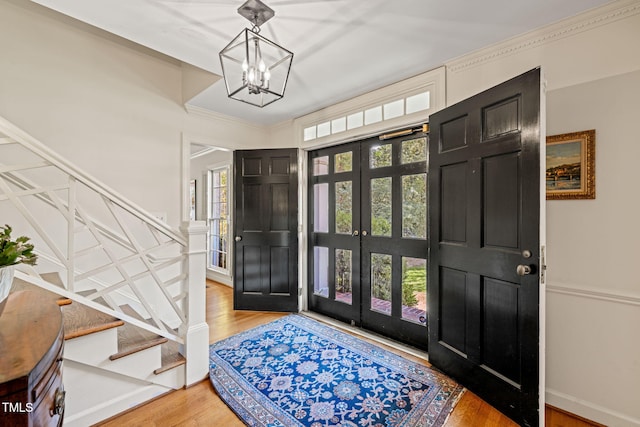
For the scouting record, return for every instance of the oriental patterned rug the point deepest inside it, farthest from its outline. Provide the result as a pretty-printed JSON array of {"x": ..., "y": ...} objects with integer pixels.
[{"x": 298, "y": 372}]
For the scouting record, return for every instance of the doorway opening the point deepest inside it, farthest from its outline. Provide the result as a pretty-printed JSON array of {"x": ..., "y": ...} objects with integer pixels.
[{"x": 368, "y": 235}]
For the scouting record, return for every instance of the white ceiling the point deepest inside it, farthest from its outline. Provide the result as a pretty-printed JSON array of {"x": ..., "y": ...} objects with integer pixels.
[{"x": 342, "y": 48}]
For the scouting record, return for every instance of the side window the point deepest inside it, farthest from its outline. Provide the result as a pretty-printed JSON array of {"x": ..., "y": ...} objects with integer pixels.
[{"x": 218, "y": 219}]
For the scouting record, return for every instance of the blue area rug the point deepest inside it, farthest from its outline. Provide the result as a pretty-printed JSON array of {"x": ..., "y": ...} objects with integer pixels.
[{"x": 298, "y": 372}]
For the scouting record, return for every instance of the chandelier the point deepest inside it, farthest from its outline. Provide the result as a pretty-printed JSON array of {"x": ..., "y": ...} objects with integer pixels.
[{"x": 254, "y": 68}]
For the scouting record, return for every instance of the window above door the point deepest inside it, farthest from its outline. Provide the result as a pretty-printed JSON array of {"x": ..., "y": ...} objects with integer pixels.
[{"x": 407, "y": 102}]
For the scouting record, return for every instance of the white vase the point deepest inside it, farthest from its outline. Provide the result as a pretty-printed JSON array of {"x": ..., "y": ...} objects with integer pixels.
[{"x": 6, "y": 280}]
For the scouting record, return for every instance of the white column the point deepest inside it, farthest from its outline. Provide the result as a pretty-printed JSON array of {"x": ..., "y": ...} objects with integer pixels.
[{"x": 196, "y": 330}]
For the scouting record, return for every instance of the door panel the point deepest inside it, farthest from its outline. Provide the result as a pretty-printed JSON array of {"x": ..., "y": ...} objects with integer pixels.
[
  {"x": 368, "y": 214},
  {"x": 266, "y": 241},
  {"x": 394, "y": 237},
  {"x": 484, "y": 188},
  {"x": 334, "y": 242}
]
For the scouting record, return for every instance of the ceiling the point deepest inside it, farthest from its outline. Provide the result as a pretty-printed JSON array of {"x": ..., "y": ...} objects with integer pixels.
[{"x": 342, "y": 48}]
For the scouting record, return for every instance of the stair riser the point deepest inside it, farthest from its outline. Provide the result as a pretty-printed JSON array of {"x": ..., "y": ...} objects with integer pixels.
[
  {"x": 95, "y": 350},
  {"x": 137, "y": 365},
  {"x": 92, "y": 349},
  {"x": 174, "y": 378}
]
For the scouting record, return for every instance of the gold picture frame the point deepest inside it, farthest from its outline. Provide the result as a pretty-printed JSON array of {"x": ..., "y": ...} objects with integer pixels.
[{"x": 570, "y": 170}]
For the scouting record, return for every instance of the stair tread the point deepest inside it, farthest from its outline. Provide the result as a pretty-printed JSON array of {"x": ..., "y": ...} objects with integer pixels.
[
  {"x": 171, "y": 357},
  {"x": 80, "y": 320},
  {"x": 99, "y": 300},
  {"x": 135, "y": 339},
  {"x": 54, "y": 278},
  {"x": 132, "y": 339}
]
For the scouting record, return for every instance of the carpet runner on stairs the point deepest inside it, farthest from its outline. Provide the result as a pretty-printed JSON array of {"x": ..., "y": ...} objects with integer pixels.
[{"x": 80, "y": 320}]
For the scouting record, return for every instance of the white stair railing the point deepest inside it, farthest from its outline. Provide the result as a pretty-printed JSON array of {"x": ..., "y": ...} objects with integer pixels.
[{"x": 108, "y": 251}]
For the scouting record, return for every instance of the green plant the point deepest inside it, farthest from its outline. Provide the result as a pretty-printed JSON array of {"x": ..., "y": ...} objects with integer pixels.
[{"x": 15, "y": 251}]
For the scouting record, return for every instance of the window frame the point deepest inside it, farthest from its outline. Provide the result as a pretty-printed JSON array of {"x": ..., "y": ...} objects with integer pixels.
[{"x": 211, "y": 171}]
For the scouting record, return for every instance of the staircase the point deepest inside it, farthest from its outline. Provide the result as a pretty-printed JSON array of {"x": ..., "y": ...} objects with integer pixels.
[{"x": 131, "y": 289}]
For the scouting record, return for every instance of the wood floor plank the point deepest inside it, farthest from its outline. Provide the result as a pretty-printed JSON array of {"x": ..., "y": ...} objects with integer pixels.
[
  {"x": 556, "y": 417},
  {"x": 200, "y": 405}
]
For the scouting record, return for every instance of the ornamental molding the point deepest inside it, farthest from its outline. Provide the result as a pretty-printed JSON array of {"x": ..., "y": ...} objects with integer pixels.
[{"x": 586, "y": 21}]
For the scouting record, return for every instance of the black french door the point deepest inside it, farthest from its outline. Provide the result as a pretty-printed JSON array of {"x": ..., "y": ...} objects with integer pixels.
[{"x": 368, "y": 229}]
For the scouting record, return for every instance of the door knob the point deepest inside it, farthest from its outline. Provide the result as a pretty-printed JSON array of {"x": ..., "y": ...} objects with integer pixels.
[
  {"x": 364, "y": 232},
  {"x": 355, "y": 232},
  {"x": 238, "y": 238},
  {"x": 523, "y": 270}
]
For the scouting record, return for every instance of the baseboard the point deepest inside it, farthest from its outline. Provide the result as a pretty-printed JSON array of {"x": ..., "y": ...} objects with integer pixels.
[
  {"x": 589, "y": 410},
  {"x": 219, "y": 277},
  {"x": 131, "y": 408},
  {"x": 113, "y": 407},
  {"x": 94, "y": 394}
]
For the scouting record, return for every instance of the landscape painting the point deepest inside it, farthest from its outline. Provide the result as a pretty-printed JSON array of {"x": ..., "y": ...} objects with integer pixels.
[{"x": 570, "y": 166}]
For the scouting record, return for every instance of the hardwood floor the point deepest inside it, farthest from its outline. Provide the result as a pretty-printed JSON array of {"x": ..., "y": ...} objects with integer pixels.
[{"x": 199, "y": 405}]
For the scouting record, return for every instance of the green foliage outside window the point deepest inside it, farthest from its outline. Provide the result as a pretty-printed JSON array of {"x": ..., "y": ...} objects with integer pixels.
[{"x": 414, "y": 281}]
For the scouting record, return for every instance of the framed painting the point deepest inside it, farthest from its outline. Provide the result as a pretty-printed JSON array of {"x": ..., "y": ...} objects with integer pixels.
[{"x": 570, "y": 170}]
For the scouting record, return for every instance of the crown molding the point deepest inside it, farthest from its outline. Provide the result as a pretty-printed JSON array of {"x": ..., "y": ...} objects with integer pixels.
[{"x": 606, "y": 14}]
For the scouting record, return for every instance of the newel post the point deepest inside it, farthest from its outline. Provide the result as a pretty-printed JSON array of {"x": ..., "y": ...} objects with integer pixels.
[{"x": 196, "y": 330}]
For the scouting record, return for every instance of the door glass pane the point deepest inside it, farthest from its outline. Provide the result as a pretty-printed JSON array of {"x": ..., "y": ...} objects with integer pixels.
[
  {"x": 343, "y": 162},
  {"x": 321, "y": 271},
  {"x": 381, "y": 283},
  {"x": 380, "y": 156},
  {"x": 321, "y": 165},
  {"x": 414, "y": 150},
  {"x": 414, "y": 206},
  {"x": 381, "y": 206},
  {"x": 343, "y": 275},
  {"x": 321, "y": 208},
  {"x": 344, "y": 205},
  {"x": 414, "y": 289}
]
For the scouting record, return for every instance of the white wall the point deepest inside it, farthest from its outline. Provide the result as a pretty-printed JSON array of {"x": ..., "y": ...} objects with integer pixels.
[
  {"x": 109, "y": 106},
  {"x": 593, "y": 362},
  {"x": 592, "y": 68}
]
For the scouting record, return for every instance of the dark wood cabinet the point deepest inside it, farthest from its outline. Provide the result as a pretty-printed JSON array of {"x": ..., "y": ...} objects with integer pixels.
[{"x": 31, "y": 346}]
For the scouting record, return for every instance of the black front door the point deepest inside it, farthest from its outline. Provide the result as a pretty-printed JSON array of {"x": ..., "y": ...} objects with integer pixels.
[
  {"x": 265, "y": 230},
  {"x": 368, "y": 247},
  {"x": 394, "y": 238},
  {"x": 484, "y": 263}
]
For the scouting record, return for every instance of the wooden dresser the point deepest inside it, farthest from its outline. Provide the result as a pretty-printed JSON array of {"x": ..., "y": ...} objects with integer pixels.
[{"x": 31, "y": 344}]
